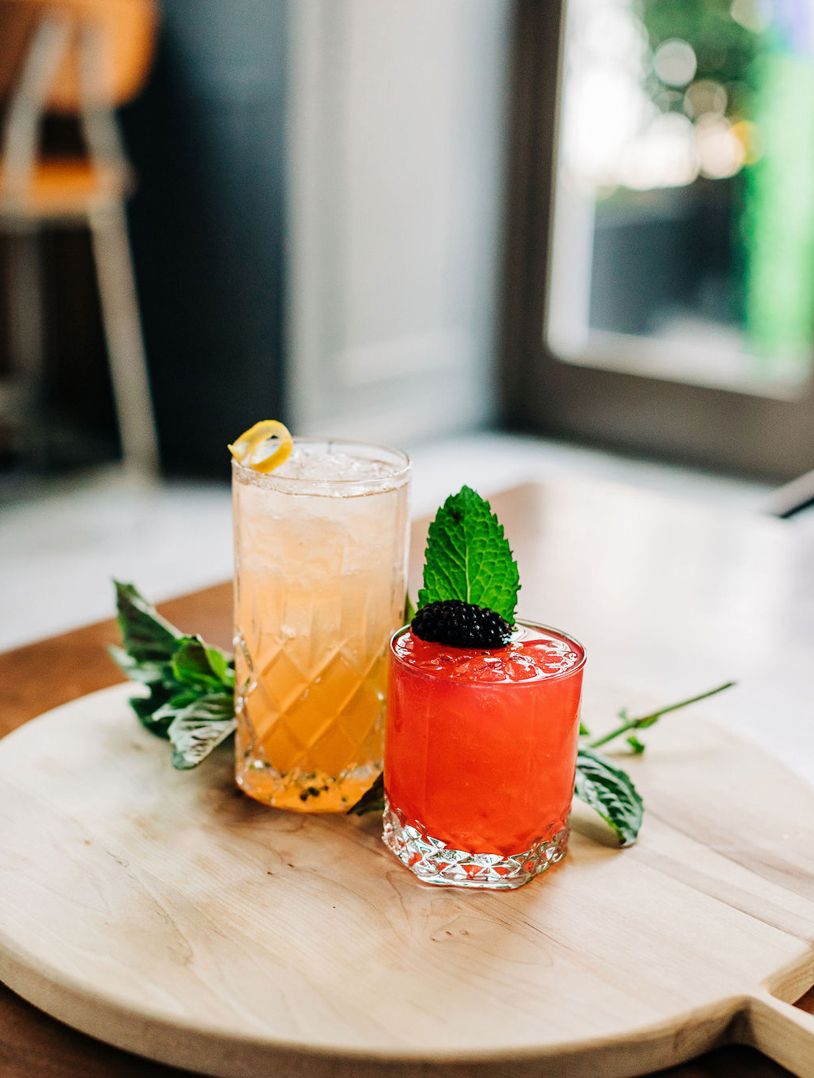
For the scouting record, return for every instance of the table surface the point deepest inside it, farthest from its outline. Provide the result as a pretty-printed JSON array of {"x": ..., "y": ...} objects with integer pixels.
[{"x": 669, "y": 599}]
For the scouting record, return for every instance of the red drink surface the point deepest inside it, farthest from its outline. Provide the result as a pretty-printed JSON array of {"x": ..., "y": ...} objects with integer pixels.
[{"x": 481, "y": 746}]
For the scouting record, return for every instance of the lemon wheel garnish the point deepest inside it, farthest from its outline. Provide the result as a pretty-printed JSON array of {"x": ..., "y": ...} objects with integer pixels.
[{"x": 251, "y": 448}]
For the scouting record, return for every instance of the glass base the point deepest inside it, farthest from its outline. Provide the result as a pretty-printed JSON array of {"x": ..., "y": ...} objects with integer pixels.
[
  {"x": 305, "y": 791},
  {"x": 432, "y": 861}
]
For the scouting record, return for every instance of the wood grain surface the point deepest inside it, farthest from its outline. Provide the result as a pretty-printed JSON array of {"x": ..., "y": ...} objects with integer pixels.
[
  {"x": 700, "y": 572},
  {"x": 166, "y": 913}
]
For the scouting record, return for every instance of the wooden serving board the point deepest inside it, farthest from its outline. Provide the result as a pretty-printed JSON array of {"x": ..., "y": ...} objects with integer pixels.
[{"x": 166, "y": 913}]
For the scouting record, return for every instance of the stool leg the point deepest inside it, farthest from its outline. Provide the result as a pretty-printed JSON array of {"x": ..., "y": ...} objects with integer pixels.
[
  {"x": 125, "y": 346},
  {"x": 26, "y": 339}
]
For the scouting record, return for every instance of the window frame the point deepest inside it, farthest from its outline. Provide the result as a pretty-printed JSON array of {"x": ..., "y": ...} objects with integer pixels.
[{"x": 710, "y": 426}]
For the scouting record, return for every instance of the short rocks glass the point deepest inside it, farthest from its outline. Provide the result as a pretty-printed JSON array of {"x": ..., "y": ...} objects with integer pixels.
[{"x": 480, "y": 756}]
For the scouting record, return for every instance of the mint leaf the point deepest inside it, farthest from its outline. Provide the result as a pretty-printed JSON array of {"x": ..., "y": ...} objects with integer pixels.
[
  {"x": 157, "y": 677},
  {"x": 199, "y": 728},
  {"x": 636, "y": 746},
  {"x": 221, "y": 665},
  {"x": 146, "y": 635},
  {"x": 469, "y": 558},
  {"x": 610, "y": 792},
  {"x": 200, "y": 666},
  {"x": 147, "y": 673},
  {"x": 149, "y": 710}
]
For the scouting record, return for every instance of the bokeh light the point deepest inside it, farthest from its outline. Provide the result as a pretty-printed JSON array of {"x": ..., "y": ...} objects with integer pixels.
[
  {"x": 640, "y": 112},
  {"x": 751, "y": 14},
  {"x": 664, "y": 155},
  {"x": 720, "y": 151},
  {"x": 705, "y": 97},
  {"x": 675, "y": 62}
]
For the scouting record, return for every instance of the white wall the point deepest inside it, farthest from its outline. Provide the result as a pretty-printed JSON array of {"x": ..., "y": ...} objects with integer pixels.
[{"x": 397, "y": 124}]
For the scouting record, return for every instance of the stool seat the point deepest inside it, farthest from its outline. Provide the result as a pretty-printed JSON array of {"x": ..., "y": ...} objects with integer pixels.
[{"x": 64, "y": 188}]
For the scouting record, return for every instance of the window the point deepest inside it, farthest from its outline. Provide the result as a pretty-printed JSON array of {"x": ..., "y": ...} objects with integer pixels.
[{"x": 672, "y": 254}]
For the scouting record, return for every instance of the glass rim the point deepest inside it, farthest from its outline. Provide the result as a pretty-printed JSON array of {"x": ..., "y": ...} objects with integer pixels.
[
  {"x": 401, "y": 466},
  {"x": 525, "y": 623}
]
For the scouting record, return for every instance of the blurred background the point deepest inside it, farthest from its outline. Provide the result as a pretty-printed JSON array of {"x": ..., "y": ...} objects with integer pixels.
[{"x": 520, "y": 238}]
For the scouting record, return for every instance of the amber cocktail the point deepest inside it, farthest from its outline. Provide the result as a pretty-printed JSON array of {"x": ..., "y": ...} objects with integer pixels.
[
  {"x": 480, "y": 756},
  {"x": 319, "y": 588}
]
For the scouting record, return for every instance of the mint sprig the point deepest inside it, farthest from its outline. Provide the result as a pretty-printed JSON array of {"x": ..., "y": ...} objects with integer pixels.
[
  {"x": 190, "y": 684},
  {"x": 469, "y": 558},
  {"x": 644, "y": 722}
]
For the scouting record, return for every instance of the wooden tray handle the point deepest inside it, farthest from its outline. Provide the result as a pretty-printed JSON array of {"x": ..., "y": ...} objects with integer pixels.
[{"x": 782, "y": 1032}]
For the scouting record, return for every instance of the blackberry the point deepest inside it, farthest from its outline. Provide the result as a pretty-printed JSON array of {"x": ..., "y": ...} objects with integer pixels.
[{"x": 461, "y": 625}]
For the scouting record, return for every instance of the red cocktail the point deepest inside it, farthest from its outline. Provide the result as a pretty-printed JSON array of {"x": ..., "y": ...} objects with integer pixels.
[{"x": 480, "y": 755}]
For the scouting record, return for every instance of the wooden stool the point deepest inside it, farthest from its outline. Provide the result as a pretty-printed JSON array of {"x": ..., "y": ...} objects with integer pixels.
[{"x": 82, "y": 58}]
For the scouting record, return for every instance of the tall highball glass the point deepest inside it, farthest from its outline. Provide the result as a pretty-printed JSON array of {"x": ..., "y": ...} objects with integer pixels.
[{"x": 320, "y": 563}]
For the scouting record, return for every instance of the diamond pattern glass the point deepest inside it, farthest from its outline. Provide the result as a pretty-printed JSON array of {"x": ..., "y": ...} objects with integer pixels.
[
  {"x": 434, "y": 862},
  {"x": 481, "y": 756},
  {"x": 319, "y": 589}
]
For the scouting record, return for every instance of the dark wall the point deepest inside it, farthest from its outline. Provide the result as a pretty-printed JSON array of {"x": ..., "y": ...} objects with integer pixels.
[{"x": 207, "y": 142}]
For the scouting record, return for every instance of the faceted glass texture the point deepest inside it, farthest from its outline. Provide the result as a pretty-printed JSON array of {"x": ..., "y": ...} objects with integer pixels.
[
  {"x": 319, "y": 589},
  {"x": 480, "y": 756}
]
